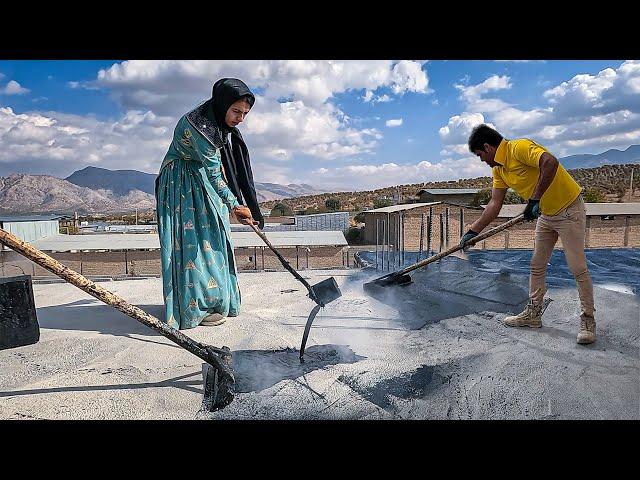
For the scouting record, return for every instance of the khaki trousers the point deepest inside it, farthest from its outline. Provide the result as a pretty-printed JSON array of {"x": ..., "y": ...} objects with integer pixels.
[{"x": 569, "y": 225}]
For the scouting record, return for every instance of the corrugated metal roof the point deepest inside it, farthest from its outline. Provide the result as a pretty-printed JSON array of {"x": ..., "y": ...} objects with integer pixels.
[
  {"x": 293, "y": 238},
  {"x": 593, "y": 209},
  {"x": 450, "y": 191},
  {"x": 142, "y": 241},
  {"x": 321, "y": 214},
  {"x": 399, "y": 208},
  {"x": 31, "y": 218},
  {"x": 613, "y": 208},
  {"x": 124, "y": 241}
]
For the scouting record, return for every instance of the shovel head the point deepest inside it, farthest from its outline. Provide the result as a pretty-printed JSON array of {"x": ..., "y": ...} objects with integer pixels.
[
  {"x": 218, "y": 385},
  {"x": 400, "y": 280},
  {"x": 18, "y": 321},
  {"x": 326, "y": 291}
]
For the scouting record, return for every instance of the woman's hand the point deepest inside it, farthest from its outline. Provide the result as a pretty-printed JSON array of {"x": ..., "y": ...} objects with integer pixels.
[{"x": 243, "y": 214}]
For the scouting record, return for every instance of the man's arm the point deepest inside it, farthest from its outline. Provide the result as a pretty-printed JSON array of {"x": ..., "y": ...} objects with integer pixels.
[
  {"x": 491, "y": 211},
  {"x": 548, "y": 167}
]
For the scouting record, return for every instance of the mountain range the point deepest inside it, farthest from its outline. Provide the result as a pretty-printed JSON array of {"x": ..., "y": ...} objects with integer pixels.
[
  {"x": 121, "y": 182},
  {"x": 94, "y": 189},
  {"x": 610, "y": 157}
]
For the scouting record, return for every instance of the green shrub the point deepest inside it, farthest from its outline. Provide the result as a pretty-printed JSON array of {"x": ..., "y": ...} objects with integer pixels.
[{"x": 281, "y": 210}]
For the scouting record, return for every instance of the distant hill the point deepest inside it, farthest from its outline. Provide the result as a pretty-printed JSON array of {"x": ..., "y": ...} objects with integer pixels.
[
  {"x": 22, "y": 193},
  {"x": 121, "y": 182},
  {"x": 99, "y": 190},
  {"x": 612, "y": 180},
  {"x": 275, "y": 191},
  {"x": 610, "y": 157}
]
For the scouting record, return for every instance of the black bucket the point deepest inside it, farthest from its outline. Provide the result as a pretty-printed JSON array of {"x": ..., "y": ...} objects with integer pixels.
[{"x": 18, "y": 321}]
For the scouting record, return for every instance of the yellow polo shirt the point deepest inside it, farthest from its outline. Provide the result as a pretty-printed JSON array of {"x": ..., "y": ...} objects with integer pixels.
[{"x": 520, "y": 168}]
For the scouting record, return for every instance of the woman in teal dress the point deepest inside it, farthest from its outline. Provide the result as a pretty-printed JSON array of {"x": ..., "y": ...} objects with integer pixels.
[{"x": 205, "y": 174}]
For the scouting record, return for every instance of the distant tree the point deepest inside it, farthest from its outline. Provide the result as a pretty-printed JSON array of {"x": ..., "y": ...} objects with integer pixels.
[
  {"x": 593, "y": 195},
  {"x": 359, "y": 218},
  {"x": 382, "y": 202},
  {"x": 332, "y": 204},
  {"x": 311, "y": 211},
  {"x": 281, "y": 210},
  {"x": 483, "y": 196},
  {"x": 512, "y": 197},
  {"x": 354, "y": 235}
]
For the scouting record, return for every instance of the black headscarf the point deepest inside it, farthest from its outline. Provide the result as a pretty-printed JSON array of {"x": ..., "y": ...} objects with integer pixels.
[{"x": 235, "y": 156}]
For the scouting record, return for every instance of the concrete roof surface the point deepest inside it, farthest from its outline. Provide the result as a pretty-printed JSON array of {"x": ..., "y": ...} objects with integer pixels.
[
  {"x": 401, "y": 207},
  {"x": 133, "y": 241},
  {"x": 435, "y": 349},
  {"x": 32, "y": 218},
  {"x": 450, "y": 191}
]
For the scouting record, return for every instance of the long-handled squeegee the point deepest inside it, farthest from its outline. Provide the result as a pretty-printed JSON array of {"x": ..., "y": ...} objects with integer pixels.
[
  {"x": 322, "y": 292},
  {"x": 217, "y": 372},
  {"x": 401, "y": 277}
]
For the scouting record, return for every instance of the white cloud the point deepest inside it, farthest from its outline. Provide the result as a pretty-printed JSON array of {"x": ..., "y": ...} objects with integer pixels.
[
  {"x": 172, "y": 86},
  {"x": 370, "y": 97},
  {"x": 394, "y": 122},
  {"x": 307, "y": 123},
  {"x": 367, "y": 176},
  {"x": 512, "y": 121},
  {"x": 474, "y": 93},
  {"x": 13, "y": 88},
  {"x": 408, "y": 76},
  {"x": 156, "y": 93},
  {"x": 57, "y": 144},
  {"x": 281, "y": 130},
  {"x": 608, "y": 91},
  {"x": 598, "y": 111},
  {"x": 457, "y": 130}
]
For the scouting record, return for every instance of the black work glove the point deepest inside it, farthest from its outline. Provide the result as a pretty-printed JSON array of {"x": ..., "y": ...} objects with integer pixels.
[
  {"x": 467, "y": 236},
  {"x": 532, "y": 211}
]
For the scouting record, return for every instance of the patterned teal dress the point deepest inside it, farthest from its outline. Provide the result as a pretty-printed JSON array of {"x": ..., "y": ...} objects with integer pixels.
[{"x": 198, "y": 268}]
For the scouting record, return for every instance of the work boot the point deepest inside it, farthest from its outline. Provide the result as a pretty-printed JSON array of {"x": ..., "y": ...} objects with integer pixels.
[
  {"x": 587, "y": 332},
  {"x": 213, "y": 319},
  {"x": 530, "y": 317}
]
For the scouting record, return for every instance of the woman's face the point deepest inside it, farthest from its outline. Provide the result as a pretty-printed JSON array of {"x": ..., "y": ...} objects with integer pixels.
[{"x": 237, "y": 113}]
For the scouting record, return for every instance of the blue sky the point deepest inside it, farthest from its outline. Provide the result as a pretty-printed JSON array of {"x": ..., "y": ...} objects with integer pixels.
[{"x": 350, "y": 125}]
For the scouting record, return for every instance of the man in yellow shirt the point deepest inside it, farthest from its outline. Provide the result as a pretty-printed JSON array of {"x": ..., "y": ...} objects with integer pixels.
[{"x": 555, "y": 200}]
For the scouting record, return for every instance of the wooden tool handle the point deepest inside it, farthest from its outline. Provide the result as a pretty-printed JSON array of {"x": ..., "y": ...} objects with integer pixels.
[
  {"x": 473, "y": 241},
  {"x": 285, "y": 264},
  {"x": 206, "y": 352}
]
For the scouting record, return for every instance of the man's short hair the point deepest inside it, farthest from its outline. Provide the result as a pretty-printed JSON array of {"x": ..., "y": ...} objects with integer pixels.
[{"x": 482, "y": 134}]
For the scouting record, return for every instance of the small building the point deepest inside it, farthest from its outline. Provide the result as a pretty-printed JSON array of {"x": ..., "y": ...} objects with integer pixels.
[
  {"x": 608, "y": 225},
  {"x": 330, "y": 221},
  {"x": 126, "y": 254},
  {"x": 142, "y": 228},
  {"x": 32, "y": 227},
  {"x": 453, "y": 196},
  {"x": 379, "y": 218}
]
